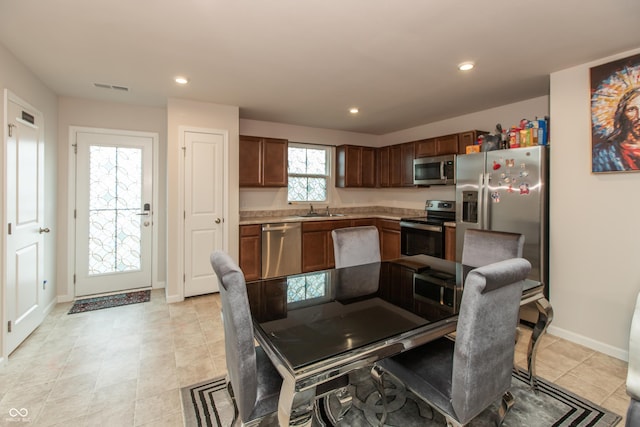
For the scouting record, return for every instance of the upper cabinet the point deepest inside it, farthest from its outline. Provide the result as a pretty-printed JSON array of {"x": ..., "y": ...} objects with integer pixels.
[
  {"x": 263, "y": 162},
  {"x": 355, "y": 166},
  {"x": 448, "y": 144},
  {"x": 401, "y": 158}
]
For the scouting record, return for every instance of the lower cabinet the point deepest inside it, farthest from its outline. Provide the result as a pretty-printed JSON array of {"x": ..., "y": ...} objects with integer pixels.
[
  {"x": 450, "y": 243},
  {"x": 251, "y": 251},
  {"x": 389, "y": 239},
  {"x": 317, "y": 244}
]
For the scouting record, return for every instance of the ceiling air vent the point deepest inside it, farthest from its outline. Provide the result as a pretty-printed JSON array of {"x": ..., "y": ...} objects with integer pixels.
[{"x": 114, "y": 87}]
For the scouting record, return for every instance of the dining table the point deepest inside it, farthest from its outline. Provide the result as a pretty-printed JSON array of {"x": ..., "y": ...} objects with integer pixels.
[{"x": 318, "y": 326}]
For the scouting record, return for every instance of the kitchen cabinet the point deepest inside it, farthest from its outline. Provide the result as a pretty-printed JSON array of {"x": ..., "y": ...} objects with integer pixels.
[
  {"x": 382, "y": 157},
  {"x": 468, "y": 138},
  {"x": 389, "y": 231},
  {"x": 401, "y": 158},
  {"x": 450, "y": 243},
  {"x": 263, "y": 162},
  {"x": 317, "y": 244},
  {"x": 448, "y": 144},
  {"x": 250, "y": 251},
  {"x": 355, "y": 166}
]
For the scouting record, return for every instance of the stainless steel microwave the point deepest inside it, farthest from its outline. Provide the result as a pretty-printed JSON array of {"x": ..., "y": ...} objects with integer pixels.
[{"x": 438, "y": 170}]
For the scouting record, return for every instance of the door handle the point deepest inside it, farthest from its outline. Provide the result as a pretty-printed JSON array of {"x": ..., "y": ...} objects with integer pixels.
[
  {"x": 43, "y": 230},
  {"x": 143, "y": 213},
  {"x": 218, "y": 220}
]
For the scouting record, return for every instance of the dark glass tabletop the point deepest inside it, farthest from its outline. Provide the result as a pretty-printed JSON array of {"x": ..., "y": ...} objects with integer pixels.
[{"x": 315, "y": 316}]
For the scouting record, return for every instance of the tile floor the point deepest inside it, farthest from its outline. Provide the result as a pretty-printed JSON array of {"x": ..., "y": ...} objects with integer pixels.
[{"x": 125, "y": 366}]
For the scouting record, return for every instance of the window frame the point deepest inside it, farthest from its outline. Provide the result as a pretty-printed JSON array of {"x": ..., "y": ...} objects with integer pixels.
[{"x": 327, "y": 176}]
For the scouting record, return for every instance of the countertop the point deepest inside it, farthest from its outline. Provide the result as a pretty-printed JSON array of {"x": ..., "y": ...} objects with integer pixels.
[{"x": 296, "y": 215}]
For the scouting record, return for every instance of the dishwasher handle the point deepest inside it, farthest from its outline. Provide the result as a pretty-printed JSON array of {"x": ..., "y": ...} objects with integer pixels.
[{"x": 268, "y": 228}]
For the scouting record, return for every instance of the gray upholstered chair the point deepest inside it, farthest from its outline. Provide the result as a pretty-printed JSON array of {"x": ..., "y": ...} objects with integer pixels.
[
  {"x": 355, "y": 245},
  {"x": 633, "y": 374},
  {"x": 462, "y": 378},
  {"x": 253, "y": 380},
  {"x": 482, "y": 247}
]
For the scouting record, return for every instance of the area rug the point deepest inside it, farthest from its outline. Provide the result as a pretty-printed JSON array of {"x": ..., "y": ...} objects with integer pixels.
[
  {"x": 108, "y": 301},
  {"x": 208, "y": 404}
]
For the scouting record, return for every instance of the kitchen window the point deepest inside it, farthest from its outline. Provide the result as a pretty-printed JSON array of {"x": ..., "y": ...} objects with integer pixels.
[{"x": 308, "y": 172}]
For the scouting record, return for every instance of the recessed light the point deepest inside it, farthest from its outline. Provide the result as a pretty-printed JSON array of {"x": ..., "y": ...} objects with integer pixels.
[
  {"x": 182, "y": 80},
  {"x": 466, "y": 66},
  {"x": 354, "y": 110}
]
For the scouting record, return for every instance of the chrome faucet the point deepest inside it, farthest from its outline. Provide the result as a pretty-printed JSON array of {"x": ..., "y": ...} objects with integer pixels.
[
  {"x": 327, "y": 210},
  {"x": 311, "y": 209}
]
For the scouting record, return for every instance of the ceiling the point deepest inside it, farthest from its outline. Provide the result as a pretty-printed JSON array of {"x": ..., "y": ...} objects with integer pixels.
[{"x": 305, "y": 62}]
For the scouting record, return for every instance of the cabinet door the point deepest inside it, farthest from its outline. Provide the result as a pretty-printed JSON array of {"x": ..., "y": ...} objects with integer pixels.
[
  {"x": 383, "y": 166},
  {"x": 274, "y": 162},
  {"x": 450, "y": 243},
  {"x": 408, "y": 156},
  {"x": 426, "y": 148},
  {"x": 395, "y": 166},
  {"x": 314, "y": 250},
  {"x": 389, "y": 239},
  {"x": 348, "y": 166},
  {"x": 368, "y": 167},
  {"x": 468, "y": 138},
  {"x": 250, "y": 151},
  {"x": 447, "y": 144},
  {"x": 250, "y": 251}
]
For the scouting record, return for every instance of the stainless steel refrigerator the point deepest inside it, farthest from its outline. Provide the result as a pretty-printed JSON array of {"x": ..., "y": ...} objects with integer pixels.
[{"x": 506, "y": 190}]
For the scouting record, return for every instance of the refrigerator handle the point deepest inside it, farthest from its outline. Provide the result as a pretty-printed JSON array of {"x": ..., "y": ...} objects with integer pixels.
[
  {"x": 481, "y": 201},
  {"x": 486, "y": 197}
]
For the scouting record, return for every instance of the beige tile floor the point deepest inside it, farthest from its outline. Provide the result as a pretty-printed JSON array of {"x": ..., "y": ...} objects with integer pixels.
[{"x": 125, "y": 366}]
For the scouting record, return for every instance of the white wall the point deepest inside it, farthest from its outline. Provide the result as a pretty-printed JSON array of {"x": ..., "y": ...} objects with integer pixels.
[
  {"x": 106, "y": 115},
  {"x": 181, "y": 113},
  {"x": 594, "y": 241},
  {"x": 409, "y": 198},
  {"x": 22, "y": 82}
]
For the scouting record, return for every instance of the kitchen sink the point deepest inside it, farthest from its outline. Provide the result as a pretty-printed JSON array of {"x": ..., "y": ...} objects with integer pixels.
[{"x": 319, "y": 215}]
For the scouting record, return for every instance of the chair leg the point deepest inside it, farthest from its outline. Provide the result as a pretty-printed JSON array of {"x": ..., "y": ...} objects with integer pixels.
[
  {"x": 376, "y": 374},
  {"x": 507, "y": 403},
  {"x": 236, "y": 413}
]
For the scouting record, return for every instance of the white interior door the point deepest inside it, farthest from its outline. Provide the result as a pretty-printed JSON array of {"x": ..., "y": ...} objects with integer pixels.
[
  {"x": 204, "y": 190},
  {"x": 113, "y": 211},
  {"x": 25, "y": 216}
]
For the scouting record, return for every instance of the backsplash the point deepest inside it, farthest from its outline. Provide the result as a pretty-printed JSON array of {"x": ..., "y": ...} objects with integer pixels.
[{"x": 384, "y": 210}]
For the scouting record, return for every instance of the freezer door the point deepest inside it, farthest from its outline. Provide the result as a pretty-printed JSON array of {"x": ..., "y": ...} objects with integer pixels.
[
  {"x": 470, "y": 169},
  {"x": 516, "y": 194}
]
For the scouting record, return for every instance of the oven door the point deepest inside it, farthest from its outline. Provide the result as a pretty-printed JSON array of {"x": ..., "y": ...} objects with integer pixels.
[{"x": 417, "y": 239}]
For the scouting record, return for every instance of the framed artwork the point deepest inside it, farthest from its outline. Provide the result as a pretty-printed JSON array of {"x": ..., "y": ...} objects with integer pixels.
[{"x": 615, "y": 116}]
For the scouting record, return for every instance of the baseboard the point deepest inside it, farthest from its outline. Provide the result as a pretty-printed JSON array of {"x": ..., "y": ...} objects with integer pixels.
[
  {"x": 174, "y": 298},
  {"x": 49, "y": 308},
  {"x": 607, "y": 349},
  {"x": 65, "y": 298}
]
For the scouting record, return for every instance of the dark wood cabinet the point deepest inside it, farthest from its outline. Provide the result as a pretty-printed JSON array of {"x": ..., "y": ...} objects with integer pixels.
[
  {"x": 389, "y": 231},
  {"x": 401, "y": 158},
  {"x": 450, "y": 243},
  {"x": 317, "y": 244},
  {"x": 448, "y": 144},
  {"x": 250, "y": 251},
  {"x": 468, "y": 138},
  {"x": 355, "y": 166},
  {"x": 408, "y": 156},
  {"x": 382, "y": 156},
  {"x": 263, "y": 162},
  {"x": 425, "y": 148}
]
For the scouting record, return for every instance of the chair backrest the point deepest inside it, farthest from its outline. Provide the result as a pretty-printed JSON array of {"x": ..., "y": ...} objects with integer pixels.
[
  {"x": 633, "y": 373},
  {"x": 485, "y": 335},
  {"x": 483, "y": 247},
  {"x": 238, "y": 332},
  {"x": 355, "y": 245}
]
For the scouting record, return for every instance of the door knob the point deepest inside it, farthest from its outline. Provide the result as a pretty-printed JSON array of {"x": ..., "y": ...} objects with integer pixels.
[
  {"x": 218, "y": 221},
  {"x": 43, "y": 230}
]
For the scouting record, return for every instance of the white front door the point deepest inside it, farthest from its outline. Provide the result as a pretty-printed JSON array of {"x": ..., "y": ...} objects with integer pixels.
[
  {"x": 25, "y": 215},
  {"x": 114, "y": 216},
  {"x": 203, "y": 181}
]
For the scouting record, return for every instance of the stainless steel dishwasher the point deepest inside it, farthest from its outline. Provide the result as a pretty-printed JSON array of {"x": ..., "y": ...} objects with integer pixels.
[{"x": 281, "y": 249}]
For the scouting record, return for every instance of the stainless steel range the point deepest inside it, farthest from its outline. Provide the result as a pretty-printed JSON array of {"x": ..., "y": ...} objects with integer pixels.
[{"x": 425, "y": 234}]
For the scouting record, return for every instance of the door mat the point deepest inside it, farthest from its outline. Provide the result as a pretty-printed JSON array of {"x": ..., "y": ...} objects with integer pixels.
[
  {"x": 108, "y": 301},
  {"x": 208, "y": 404}
]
